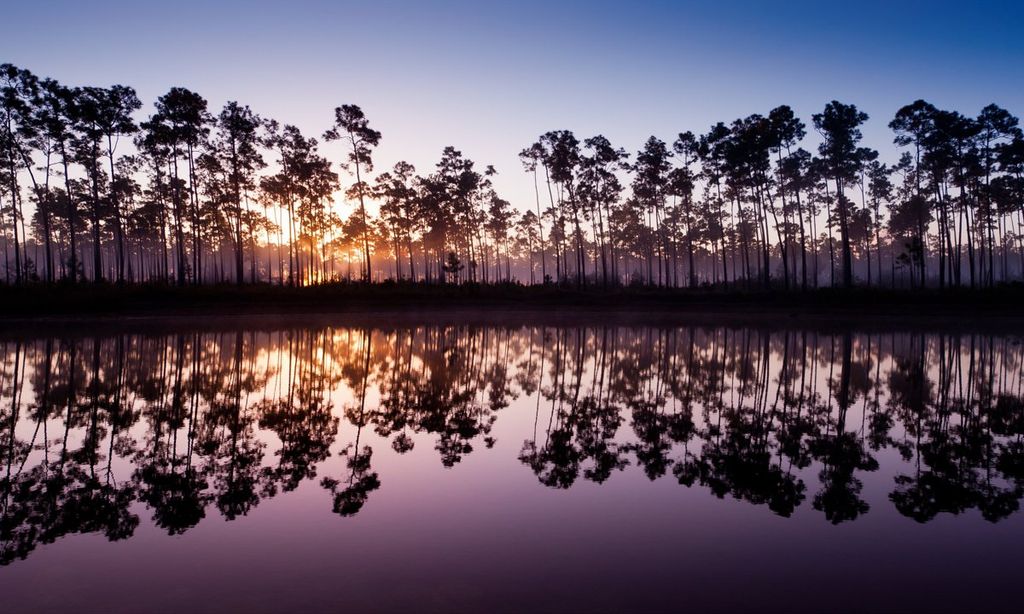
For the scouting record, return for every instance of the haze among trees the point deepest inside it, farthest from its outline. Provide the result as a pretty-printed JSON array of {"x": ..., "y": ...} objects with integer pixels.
[{"x": 97, "y": 187}]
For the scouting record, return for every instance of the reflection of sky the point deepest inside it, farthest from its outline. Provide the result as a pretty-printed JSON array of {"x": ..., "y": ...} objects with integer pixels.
[{"x": 488, "y": 79}]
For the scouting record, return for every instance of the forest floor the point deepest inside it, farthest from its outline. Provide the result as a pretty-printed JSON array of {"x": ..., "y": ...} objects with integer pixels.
[{"x": 506, "y": 303}]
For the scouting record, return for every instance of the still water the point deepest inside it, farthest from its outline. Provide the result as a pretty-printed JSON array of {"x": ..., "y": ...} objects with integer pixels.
[{"x": 453, "y": 467}]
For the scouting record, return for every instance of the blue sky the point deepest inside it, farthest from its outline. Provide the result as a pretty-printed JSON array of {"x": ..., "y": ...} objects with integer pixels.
[{"x": 488, "y": 77}]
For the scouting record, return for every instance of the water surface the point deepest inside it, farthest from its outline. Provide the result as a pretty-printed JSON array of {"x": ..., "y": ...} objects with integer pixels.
[{"x": 448, "y": 467}]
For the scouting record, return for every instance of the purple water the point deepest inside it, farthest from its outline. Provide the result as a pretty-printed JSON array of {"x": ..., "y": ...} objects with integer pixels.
[{"x": 526, "y": 468}]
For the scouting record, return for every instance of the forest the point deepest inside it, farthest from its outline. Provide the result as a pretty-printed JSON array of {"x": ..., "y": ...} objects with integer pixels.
[{"x": 95, "y": 189}]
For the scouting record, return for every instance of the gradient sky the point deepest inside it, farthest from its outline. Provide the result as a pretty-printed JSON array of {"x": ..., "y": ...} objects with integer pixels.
[{"x": 489, "y": 77}]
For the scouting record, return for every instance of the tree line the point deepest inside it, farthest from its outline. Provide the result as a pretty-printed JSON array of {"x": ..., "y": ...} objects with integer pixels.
[
  {"x": 197, "y": 197},
  {"x": 190, "y": 422}
]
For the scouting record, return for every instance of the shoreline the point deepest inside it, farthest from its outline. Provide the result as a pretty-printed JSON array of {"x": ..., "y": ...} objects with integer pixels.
[{"x": 227, "y": 307}]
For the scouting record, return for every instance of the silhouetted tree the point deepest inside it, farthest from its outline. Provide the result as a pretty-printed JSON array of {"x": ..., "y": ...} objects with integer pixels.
[{"x": 350, "y": 124}]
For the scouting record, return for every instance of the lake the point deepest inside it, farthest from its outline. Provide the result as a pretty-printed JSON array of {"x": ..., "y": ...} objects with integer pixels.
[{"x": 417, "y": 465}]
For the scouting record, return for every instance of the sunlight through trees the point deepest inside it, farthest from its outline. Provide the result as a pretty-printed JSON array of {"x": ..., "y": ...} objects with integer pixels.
[{"x": 197, "y": 197}]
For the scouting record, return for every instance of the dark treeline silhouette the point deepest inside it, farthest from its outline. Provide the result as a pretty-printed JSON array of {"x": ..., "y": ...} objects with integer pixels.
[
  {"x": 194, "y": 197},
  {"x": 189, "y": 424}
]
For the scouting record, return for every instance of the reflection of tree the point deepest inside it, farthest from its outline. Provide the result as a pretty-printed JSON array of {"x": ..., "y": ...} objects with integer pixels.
[
  {"x": 841, "y": 455},
  {"x": 445, "y": 397},
  {"x": 958, "y": 462},
  {"x": 229, "y": 442},
  {"x": 583, "y": 422},
  {"x": 41, "y": 507},
  {"x": 396, "y": 394},
  {"x": 739, "y": 456},
  {"x": 643, "y": 373},
  {"x": 169, "y": 483},
  {"x": 302, "y": 418},
  {"x": 1006, "y": 420},
  {"x": 361, "y": 481},
  {"x": 841, "y": 452},
  {"x": 174, "y": 492},
  {"x": 47, "y": 501},
  {"x": 739, "y": 462},
  {"x": 90, "y": 426}
]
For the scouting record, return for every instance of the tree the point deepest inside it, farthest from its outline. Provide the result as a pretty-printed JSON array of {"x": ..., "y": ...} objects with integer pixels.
[
  {"x": 58, "y": 116},
  {"x": 711, "y": 149},
  {"x": 527, "y": 229},
  {"x": 531, "y": 158},
  {"x": 236, "y": 144},
  {"x": 397, "y": 192},
  {"x": 350, "y": 124},
  {"x": 499, "y": 222},
  {"x": 649, "y": 188},
  {"x": 90, "y": 115},
  {"x": 912, "y": 124},
  {"x": 181, "y": 123},
  {"x": 880, "y": 192},
  {"x": 786, "y": 131},
  {"x": 19, "y": 91},
  {"x": 599, "y": 191},
  {"x": 996, "y": 128},
  {"x": 681, "y": 184},
  {"x": 562, "y": 159},
  {"x": 113, "y": 117},
  {"x": 839, "y": 126}
]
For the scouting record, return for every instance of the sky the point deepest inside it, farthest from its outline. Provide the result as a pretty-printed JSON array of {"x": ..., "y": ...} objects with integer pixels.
[{"x": 489, "y": 77}]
